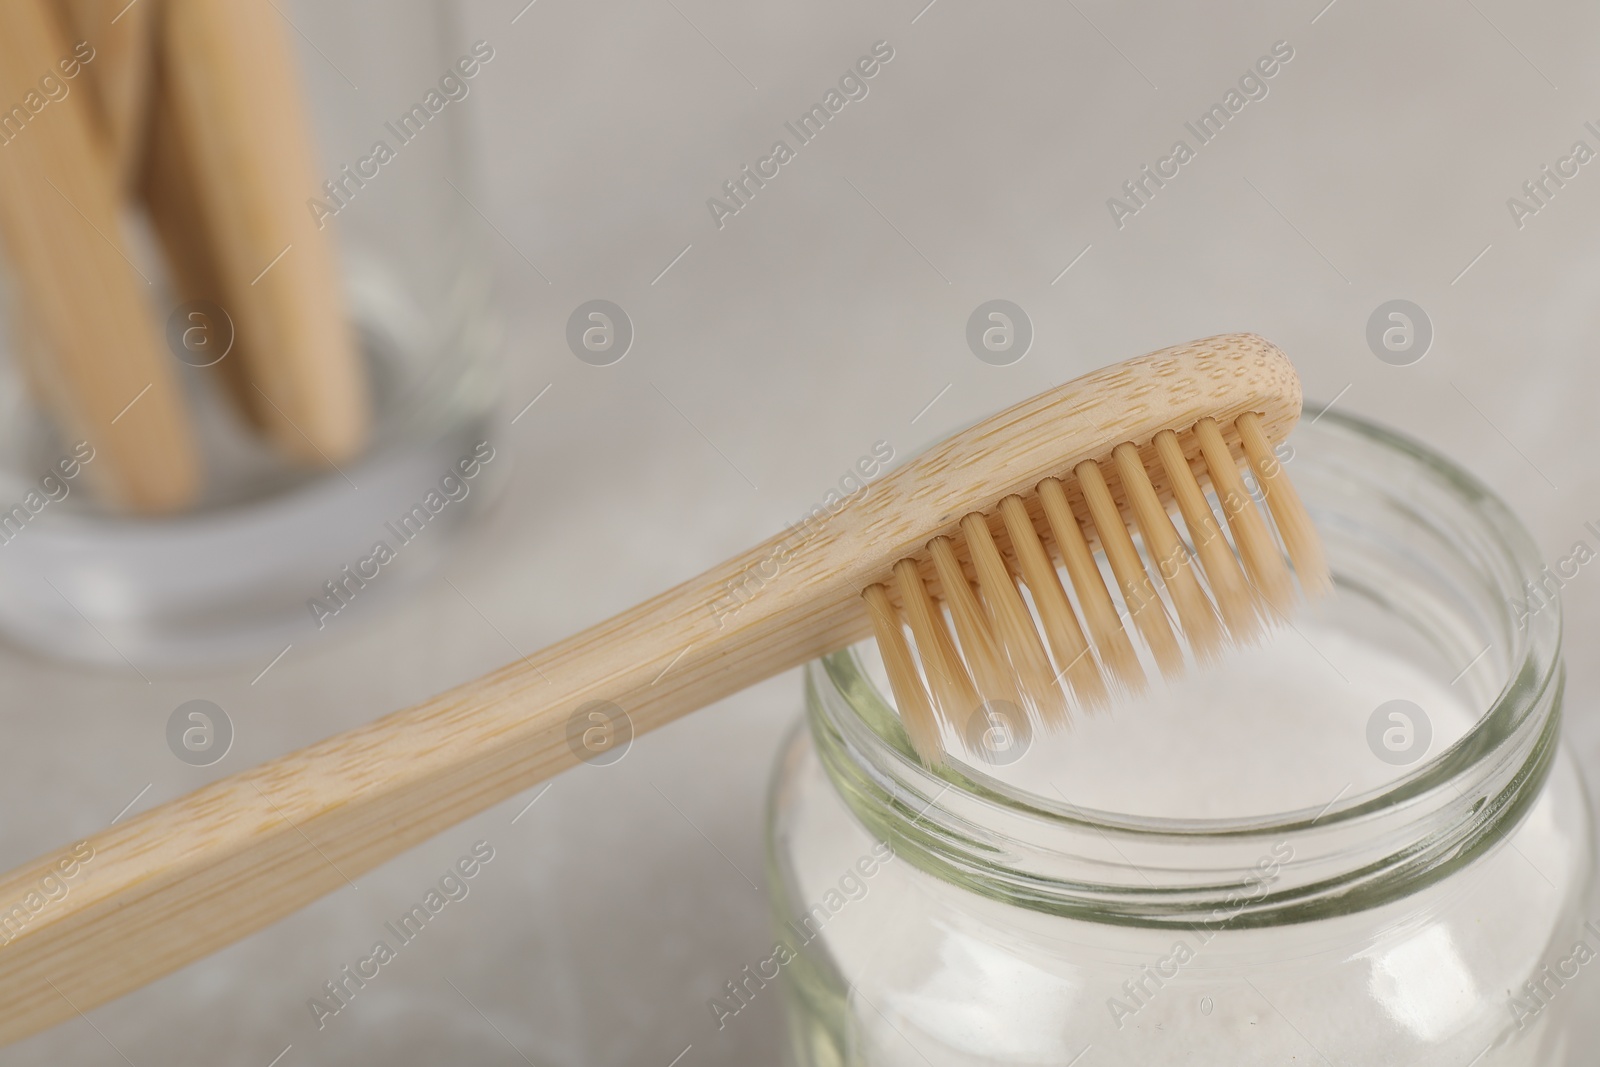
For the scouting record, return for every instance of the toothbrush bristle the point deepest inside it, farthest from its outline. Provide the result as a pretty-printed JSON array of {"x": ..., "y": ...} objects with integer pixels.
[{"x": 1021, "y": 623}]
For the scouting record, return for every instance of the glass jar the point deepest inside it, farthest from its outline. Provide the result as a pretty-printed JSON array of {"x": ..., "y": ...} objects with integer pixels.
[
  {"x": 278, "y": 549},
  {"x": 1260, "y": 865}
]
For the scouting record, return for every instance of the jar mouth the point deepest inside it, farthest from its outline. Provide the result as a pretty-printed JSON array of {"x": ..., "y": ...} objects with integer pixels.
[{"x": 1362, "y": 848}]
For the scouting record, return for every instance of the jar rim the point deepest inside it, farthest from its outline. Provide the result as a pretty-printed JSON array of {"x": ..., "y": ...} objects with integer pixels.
[{"x": 1430, "y": 819}]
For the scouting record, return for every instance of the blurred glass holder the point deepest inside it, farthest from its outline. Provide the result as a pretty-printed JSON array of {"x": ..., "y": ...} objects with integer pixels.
[{"x": 238, "y": 576}]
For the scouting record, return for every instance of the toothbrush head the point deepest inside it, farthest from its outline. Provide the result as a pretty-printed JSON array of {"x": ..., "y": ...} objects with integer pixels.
[{"x": 1040, "y": 601}]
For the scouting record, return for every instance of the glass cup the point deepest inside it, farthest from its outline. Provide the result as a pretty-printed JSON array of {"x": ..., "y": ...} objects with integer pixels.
[
  {"x": 1361, "y": 843},
  {"x": 275, "y": 551}
]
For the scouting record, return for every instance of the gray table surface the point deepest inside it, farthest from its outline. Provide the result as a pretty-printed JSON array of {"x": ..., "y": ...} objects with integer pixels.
[{"x": 824, "y": 317}]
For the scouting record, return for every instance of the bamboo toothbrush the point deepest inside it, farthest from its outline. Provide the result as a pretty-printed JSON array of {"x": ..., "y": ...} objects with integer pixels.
[
  {"x": 147, "y": 139},
  {"x": 166, "y": 182},
  {"x": 236, "y": 99},
  {"x": 104, "y": 374},
  {"x": 144, "y": 147},
  {"x": 121, "y": 34},
  {"x": 1056, "y": 475}
]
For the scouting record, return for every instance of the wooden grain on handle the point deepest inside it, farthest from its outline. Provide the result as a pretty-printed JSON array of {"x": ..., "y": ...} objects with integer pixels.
[
  {"x": 200, "y": 872},
  {"x": 237, "y": 99},
  {"x": 107, "y": 377}
]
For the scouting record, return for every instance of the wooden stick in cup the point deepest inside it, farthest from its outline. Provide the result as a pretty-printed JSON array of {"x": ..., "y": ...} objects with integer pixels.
[
  {"x": 236, "y": 100},
  {"x": 107, "y": 378}
]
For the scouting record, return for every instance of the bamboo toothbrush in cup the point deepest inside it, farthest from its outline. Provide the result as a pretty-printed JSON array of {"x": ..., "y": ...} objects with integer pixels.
[
  {"x": 942, "y": 549},
  {"x": 123, "y": 36},
  {"x": 229, "y": 88},
  {"x": 102, "y": 371}
]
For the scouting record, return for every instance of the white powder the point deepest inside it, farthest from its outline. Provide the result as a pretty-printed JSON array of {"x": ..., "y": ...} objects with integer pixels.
[
  {"x": 944, "y": 976},
  {"x": 1274, "y": 728}
]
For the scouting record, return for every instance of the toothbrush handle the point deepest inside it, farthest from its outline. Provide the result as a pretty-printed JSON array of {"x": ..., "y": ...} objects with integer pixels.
[
  {"x": 231, "y": 88},
  {"x": 190, "y": 876},
  {"x": 122, "y": 36},
  {"x": 104, "y": 375}
]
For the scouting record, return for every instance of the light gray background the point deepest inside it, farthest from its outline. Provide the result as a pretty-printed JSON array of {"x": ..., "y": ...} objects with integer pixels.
[{"x": 769, "y": 357}]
